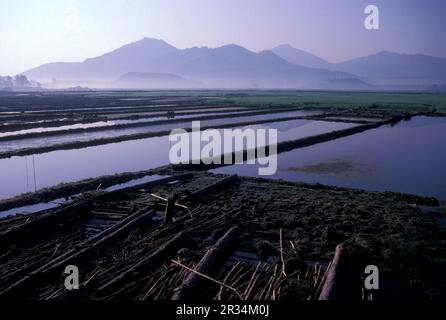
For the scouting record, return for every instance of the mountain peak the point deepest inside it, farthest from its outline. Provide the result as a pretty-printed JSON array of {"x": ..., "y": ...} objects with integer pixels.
[
  {"x": 387, "y": 53},
  {"x": 284, "y": 46},
  {"x": 146, "y": 42},
  {"x": 232, "y": 46},
  {"x": 299, "y": 57},
  {"x": 152, "y": 40},
  {"x": 233, "y": 50}
]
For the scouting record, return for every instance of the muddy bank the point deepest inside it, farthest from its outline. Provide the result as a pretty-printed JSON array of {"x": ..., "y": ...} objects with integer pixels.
[{"x": 72, "y": 188}]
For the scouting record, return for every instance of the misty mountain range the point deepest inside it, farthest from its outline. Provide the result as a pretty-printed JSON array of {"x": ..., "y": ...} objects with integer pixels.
[{"x": 152, "y": 63}]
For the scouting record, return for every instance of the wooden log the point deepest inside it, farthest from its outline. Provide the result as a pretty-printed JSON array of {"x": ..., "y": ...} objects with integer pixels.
[
  {"x": 210, "y": 262},
  {"x": 109, "y": 213},
  {"x": 96, "y": 247},
  {"x": 333, "y": 282},
  {"x": 44, "y": 223},
  {"x": 109, "y": 217},
  {"x": 86, "y": 249},
  {"x": 119, "y": 225},
  {"x": 154, "y": 259},
  {"x": 207, "y": 189}
]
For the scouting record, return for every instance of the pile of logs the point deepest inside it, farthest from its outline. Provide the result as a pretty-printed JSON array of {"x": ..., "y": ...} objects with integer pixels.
[{"x": 180, "y": 257}]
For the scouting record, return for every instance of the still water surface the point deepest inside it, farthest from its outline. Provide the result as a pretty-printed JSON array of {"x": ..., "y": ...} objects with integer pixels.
[
  {"x": 409, "y": 157},
  {"x": 17, "y": 173}
]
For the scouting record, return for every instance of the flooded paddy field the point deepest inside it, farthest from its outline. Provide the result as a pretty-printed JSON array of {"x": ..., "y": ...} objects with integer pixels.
[
  {"x": 36, "y": 138},
  {"x": 409, "y": 157},
  {"x": 109, "y": 124},
  {"x": 125, "y": 156},
  {"x": 362, "y": 184},
  {"x": 11, "y": 126},
  {"x": 45, "y": 161},
  {"x": 35, "y": 110}
]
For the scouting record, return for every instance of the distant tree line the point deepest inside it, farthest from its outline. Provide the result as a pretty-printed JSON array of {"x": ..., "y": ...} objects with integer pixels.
[{"x": 17, "y": 82}]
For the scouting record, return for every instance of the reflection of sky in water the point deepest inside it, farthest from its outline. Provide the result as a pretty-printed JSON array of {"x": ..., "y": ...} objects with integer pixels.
[
  {"x": 409, "y": 157},
  {"x": 296, "y": 129},
  {"x": 72, "y": 165},
  {"x": 134, "y": 155},
  {"x": 39, "y": 141},
  {"x": 49, "y": 129},
  {"x": 101, "y": 124}
]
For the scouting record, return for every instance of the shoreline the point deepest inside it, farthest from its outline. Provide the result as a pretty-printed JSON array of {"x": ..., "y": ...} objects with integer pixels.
[{"x": 68, "y": 189}]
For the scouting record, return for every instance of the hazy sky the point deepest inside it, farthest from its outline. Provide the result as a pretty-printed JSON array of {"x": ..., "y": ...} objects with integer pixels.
[{"x": 37, "y": 32}]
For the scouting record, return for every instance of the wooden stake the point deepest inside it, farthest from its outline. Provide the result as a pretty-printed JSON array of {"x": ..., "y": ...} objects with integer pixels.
[
  {"x": 281, "y": 253},
  {"x": 168, "y": 214},
  {"x": 330, "y": 289}
]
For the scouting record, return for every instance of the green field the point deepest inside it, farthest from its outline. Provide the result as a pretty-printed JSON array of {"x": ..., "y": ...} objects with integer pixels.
[
  {"x": 421, "y": 101},
  {"x": 429, "y": 101}
]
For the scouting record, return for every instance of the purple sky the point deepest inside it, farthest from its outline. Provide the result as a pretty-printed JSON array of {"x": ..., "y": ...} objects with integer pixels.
[{"x": 37, "y": 32}]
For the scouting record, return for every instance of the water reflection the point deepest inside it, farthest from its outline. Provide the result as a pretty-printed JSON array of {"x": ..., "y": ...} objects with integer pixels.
[
  {"x": 72, "y": 165},
  {"x": 86, "y": 136},
  {"x": 409, "y": 157}
]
